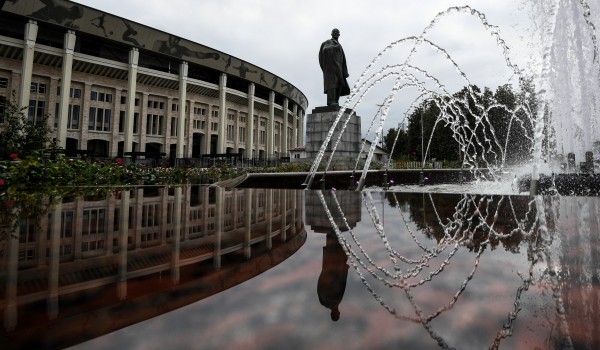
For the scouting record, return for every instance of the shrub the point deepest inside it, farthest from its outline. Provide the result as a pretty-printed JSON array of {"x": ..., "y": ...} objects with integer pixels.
[{"x": 20, "y": 138}]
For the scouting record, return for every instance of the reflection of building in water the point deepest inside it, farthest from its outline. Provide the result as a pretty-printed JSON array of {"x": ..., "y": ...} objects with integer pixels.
[
  {"x": 578, "y": 261},
  {"x": 158, "y": 248},
  {"x": 350, "y": 203}
]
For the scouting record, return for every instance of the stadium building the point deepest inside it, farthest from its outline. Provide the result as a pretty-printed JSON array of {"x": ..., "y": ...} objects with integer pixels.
[{"x": 113, "y": 87}]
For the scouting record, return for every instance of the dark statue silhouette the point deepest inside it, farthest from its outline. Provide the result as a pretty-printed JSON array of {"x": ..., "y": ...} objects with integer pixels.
[
  {"x": 334, "y": 272},
  {"x": 333, "y": 64}
]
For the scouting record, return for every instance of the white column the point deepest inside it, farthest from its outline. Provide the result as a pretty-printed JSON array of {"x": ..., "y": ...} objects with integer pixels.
[
  {"x": 53, "y": 100},
  {"x": 12, "y": 277},
  {"x": 219, "y": 218},
  {"x": 183, "y": 71},
  {"x": 271, "y": 126},
  {"x": 209, "y": 121},
  {"x": 294, "y": 126},
  {"x": 294, "y": 208},
  {"x": 176, "y": 238},
  {"x": 283, "y": 204},
  {"x": 270, "y": 216},
  {"x": 111, "y": 234},
  {"x": 167, "y": 132},
  {"x": 31, "y": 30},
  {"x": 250, "y": 122},
  {"x": 300, "y": 210},
  {"x": 114, "y": 143},
  {"x": 65, "y": 88},
  {"x": 222, "y": 113},
  {"x": 130, "y": 107},
  {"x": 284, "y": 132},
  {"x": 248, "y": 192},
  {"x": 164, "y": 203},
  {"x": 143, "y": 122},
  {"x": 301, "y": 129},
  {"x": 123, "y": 240},
  {"x": 139, "y": 209},
  {"x": 83, "y": 121},
  {"x": 54, "y": 262},
  {"x": 79, "y": 202}
]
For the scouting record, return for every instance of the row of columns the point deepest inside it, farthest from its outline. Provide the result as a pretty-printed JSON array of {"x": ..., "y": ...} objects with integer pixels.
[
  {"x": 222, "y": 131},
  {"x": 298, "y": 132},
  {"x": 180, "y": 202},
  {"x": 31, "y": 30}
]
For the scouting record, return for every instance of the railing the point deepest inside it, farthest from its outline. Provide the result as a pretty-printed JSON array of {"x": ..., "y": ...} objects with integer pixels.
[
  {"x": 52, "y": 153},
  {"x": 153, "y": 159},
  {"x": 159, "y": 159},
  {"x": 230, "y": 159},
  {"x": 417, "y": 165}
]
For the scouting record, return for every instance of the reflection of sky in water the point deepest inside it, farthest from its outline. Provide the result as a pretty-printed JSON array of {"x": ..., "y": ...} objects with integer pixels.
[
  {"x": 280, "y": 308},
  {"x": 508, "y": 187}
]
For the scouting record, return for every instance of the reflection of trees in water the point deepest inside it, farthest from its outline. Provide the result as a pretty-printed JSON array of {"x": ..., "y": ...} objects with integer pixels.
[
  {"x": 478, "y": 214},
  {"x": 474, "y": 222}
]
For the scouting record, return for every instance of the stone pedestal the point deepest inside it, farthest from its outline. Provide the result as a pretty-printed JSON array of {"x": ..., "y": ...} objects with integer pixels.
[
  {"x": 318, "y": 124},
  {"x": 349, "y": 201}
]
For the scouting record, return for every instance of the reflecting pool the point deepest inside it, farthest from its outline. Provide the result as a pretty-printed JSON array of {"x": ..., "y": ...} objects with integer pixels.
[{"x": 204, "y": 267}]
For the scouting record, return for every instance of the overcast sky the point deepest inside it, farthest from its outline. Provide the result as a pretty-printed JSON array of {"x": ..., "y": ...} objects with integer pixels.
[{"x": 283, "y": 36}]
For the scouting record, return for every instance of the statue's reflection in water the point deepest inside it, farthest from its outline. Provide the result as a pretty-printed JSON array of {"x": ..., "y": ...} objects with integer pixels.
[
  {"x": 347, "y": 213},
  {"x": 334, "y": 272}
]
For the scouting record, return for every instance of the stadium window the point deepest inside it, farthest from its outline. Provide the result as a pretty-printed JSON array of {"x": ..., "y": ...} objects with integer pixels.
[
  {"x": 36, "y": 110},
  {"x": 99, "y": 119}
]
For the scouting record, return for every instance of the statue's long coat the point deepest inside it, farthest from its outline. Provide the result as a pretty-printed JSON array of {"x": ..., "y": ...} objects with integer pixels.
[{"x": 333, "y": 64}]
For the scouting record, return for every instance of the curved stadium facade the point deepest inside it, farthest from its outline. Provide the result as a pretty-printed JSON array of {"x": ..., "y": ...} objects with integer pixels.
[{"x": 113, "y": 87}]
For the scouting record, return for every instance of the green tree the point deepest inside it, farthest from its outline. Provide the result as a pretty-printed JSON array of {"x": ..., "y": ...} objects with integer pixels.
[
  {"x": 494, "y": 127},
  {"x": 20, "y": 136},
  {"x": 436, "y": 134},
  {"x": 400, "y": 151},
  {"x": 512, "y": 120}
]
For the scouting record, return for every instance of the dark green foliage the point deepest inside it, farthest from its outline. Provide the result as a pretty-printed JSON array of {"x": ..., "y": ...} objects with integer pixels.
[
  {"x": 497, "y": 127},
  {"x": 401, "y": 150},
  {"x": 19, "y": 137}
]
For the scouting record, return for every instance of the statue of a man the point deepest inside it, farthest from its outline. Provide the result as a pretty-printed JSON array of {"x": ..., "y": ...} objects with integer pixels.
[{"x": 333, "y": 64}]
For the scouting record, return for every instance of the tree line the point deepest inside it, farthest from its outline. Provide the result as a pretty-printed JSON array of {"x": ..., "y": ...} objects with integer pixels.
[{"x": 472, "y": 126}]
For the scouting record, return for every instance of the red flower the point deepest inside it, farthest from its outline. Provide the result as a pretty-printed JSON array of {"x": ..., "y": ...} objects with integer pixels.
[
  {"x": 13, "y": 156},
  {"x": 120, "y": 161},
  {"x": 1, "y": 182}
]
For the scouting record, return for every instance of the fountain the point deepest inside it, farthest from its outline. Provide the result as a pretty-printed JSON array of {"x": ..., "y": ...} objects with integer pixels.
[
  {"x": 556, "y": 122},
  {"x": 560, "y": 124}
]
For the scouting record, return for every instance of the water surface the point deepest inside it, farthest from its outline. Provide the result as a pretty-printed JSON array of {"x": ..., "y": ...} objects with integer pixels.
[{"x": 268, "y": 269}]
